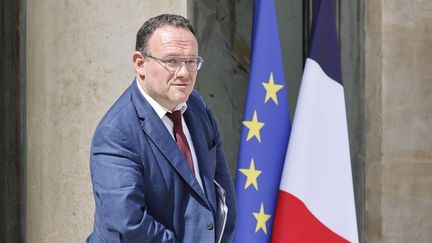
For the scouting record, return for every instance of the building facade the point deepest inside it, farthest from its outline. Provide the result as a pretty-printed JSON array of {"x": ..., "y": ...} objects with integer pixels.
[{"x": 65, "y": 62}]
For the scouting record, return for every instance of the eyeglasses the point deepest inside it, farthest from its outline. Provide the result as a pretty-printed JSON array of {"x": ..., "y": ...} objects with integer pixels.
[{"x": 173, "y": 63}]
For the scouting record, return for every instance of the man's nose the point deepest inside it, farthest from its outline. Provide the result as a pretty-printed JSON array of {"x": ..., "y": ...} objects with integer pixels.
[{"x": 182, "y": 71}]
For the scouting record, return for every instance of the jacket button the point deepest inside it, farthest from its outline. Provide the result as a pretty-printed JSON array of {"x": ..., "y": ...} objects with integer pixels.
[{"x": 209, "y": 225}]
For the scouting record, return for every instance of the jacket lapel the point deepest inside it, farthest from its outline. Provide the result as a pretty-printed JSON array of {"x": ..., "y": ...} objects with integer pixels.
[
  {"x": 159, "y": 135},
  {"x": 205, "y": 158}
]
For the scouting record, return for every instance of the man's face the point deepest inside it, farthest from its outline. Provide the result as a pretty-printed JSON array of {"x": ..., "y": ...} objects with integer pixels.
[{"x": 168, "y": 88}]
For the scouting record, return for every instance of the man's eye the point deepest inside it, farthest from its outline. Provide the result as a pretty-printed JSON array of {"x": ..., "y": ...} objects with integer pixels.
[
  {"x": 172, "y": 61},
  {"x": 191, "y": 61}
]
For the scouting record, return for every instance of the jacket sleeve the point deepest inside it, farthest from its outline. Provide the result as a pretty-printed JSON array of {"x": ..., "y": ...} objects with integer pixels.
[
  {"x": 118, "y": 185},
  {"x": 223, "y": 177}
]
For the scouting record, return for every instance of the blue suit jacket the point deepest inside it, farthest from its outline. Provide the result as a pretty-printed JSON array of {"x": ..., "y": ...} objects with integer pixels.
[{"x": 144, "y": 190}]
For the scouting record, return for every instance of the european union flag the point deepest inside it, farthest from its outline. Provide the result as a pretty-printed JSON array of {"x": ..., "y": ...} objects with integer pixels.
[{"x": 265, "y": 132}]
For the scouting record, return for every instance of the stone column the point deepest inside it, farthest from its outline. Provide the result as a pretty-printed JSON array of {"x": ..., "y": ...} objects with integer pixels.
[
  {"x": 398, "y": 121},
  {"x": 373, "y": 123},
  {"x": 407, "y": 121},
  {"x": 78, "y": 63}
]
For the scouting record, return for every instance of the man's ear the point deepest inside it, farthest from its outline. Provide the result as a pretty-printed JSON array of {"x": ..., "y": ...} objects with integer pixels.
[{"x": 139, "y": 62}]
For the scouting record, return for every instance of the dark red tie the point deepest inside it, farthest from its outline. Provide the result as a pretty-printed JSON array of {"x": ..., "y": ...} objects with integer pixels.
[{"x": 180, "y": 137}]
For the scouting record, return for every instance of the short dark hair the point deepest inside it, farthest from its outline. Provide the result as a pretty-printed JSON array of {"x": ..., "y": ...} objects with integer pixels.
[{"x": 152, "y": 24}]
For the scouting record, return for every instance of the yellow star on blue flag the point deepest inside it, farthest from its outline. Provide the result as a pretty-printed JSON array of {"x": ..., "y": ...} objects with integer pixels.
[
  {"x": 254, "y": 127},
  {"x": 271, "y": 89},
  {"x": 251, "y": 175},
  {"x": 261, "y": 218}
]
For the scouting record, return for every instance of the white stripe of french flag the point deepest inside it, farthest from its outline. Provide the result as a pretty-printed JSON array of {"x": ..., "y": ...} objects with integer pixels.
[{"x": 316, "y": 198}]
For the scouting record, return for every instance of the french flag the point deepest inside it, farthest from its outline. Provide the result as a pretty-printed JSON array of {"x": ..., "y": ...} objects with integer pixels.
[{"x": 316, "y": 199}]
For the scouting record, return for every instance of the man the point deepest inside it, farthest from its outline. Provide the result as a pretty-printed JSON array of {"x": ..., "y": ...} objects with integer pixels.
[{"x": 155, "y": 177}]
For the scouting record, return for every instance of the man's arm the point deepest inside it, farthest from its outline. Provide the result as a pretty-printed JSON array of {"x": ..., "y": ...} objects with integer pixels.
[{"x": 117, "y": 176}]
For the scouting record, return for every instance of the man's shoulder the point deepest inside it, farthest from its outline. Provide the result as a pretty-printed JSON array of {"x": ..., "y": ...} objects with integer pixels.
[
  {"x": 121, "y": 109},
  {"x": 196, "y": 100},
  {"x": 199, "y": 108}
]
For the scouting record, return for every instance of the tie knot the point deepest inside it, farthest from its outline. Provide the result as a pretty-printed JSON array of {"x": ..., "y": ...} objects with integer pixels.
[{"x": 175, "y": 117}]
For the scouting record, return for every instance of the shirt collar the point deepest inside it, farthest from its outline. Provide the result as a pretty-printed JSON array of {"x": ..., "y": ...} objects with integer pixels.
[{"x": 160, "y": 110}]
